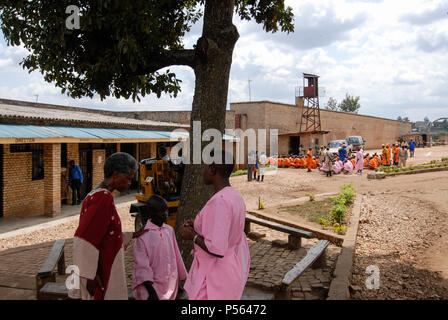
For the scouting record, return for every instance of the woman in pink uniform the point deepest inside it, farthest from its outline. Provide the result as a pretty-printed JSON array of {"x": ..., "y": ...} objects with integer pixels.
[{"x": 221, "y": 254}]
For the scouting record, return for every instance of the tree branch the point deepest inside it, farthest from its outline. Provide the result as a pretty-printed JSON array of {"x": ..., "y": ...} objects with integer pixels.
[{"x": 170, "y": 58}]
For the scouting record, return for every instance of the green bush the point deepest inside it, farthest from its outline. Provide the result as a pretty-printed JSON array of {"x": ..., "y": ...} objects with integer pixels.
[
  {"x": 444, "y": 159},
  {"x": 338, "y": 212},
  {"x": 445, "y": 164},
  {"x": 411, "y": 168}
]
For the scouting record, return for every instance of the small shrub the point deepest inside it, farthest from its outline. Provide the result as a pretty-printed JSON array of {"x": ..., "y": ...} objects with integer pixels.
[
  {"x": 312, "y": 196},
  {"x": 444, "y": 159},
  {"x": 445, "y": 164},
  {"x": 411, "y": 168},
  {"x": 338, "y": 212},
  {"x": 324, "y": 222}
]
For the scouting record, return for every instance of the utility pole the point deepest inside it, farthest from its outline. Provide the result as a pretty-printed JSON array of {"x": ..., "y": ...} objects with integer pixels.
[
  {"x": 37, "y": 97},
  {"x": 249, "y": 81}
]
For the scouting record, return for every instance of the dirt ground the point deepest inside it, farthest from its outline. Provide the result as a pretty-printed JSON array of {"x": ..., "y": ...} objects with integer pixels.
[{"x": 422, "y": 200}]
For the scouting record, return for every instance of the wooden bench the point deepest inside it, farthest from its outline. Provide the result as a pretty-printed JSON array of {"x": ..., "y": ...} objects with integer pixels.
[
  {"x": 295, "y": 235},
  {"x": 315, "y": 258},
  {"x": 46, "y": 285}
]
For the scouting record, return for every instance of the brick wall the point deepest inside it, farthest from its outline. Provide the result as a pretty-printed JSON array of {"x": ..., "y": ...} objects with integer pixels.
[
  {"x": 22, "y": 197},
  {"x": 98, "y": 159},
  {"x": 286, "y": 118},
  {"x": 52, "y": 179}
]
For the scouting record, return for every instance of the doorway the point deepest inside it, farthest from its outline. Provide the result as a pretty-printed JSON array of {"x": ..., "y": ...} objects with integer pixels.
[
  {"x": 85, "y": 163},
  {"x": 294, "y": 143}
]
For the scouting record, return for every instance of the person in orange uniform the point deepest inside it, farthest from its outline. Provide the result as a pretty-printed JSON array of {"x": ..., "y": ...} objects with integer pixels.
[
  {"x": 395, "y": 151},
  {"x": 385, "y": 160},
  {"x": 366, "y": 161},
  {"x": 309, "y": 159},
  {"x": 374, "y": 162}
]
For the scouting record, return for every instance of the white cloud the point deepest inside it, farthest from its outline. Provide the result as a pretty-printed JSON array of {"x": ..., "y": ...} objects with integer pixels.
[{"x": 390, "y": 53}]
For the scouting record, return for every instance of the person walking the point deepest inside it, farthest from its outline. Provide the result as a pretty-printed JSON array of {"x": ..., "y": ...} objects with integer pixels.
[
  {"x": 411, "y": 147},
  {"x": 75, "y": 180}
]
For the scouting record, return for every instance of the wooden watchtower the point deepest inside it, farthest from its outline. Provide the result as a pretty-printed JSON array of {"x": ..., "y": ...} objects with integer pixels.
[{"x": 310, "y": 118}]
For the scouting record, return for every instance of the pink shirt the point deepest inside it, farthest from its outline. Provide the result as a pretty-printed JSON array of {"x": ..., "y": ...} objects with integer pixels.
[
  {"x": 359, "y": 160},
  {"x": 221, "y": 223},
  {"x": 348, "y": 166},
  {"x": 337, "y": 167},
  {"x": 157, "y": 259}
]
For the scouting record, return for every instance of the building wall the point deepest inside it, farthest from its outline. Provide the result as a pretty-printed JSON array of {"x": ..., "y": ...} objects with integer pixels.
[
  {"x": 22, "y": 197},
  {"x": 286, "y": 118},
  {"x": 182, "y": 117},
  {"x": 98, "y": 159},
  {"x": 52, "y": 179}
]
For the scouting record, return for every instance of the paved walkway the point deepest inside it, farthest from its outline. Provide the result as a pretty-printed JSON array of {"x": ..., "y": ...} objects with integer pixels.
[
  {"x": 16, "y": 226},
  {"x": 269, "y": 264}
]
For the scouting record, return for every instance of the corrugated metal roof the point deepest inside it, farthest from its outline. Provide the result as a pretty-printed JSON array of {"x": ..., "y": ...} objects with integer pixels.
[
  {"x": 25, "y": 131},
  {"x": 80, "y": 115},
  {"x": 31, "y": 131}
]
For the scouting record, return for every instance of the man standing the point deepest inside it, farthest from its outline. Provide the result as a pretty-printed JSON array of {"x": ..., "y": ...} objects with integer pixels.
[
  {"x": 411, "y": 147},
  {"x": 402, "y": 156},
  {"x": 262, "y": 166},
  {"x": 342, "y": 153},
  {"x": 250, "y": 165},
  {"x": 75, "y": 180},
  {"x": 327, "y": 161}
]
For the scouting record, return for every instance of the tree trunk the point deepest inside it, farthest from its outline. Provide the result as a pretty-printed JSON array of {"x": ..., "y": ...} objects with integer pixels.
[{"x": 212, "y": 68}]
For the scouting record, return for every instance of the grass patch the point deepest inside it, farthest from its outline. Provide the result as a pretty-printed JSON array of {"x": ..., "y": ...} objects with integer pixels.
[{"x": 312, "y": 210}]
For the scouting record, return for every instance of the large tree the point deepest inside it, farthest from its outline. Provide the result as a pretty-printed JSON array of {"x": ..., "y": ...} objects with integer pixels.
[
  {"x": 122, "y": 46},
  {"x": 350, "y": 104},
  {"x": 332, "y": 104}
]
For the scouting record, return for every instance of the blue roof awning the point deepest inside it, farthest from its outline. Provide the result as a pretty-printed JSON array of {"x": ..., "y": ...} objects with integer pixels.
[{"x": 16, "y": 133}]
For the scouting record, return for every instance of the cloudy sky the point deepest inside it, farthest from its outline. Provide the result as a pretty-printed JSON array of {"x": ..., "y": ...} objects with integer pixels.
[{"x": 391, "y": 53}]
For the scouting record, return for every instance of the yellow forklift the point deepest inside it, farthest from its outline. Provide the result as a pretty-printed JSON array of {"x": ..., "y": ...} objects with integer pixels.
[{"x": 161, "y": 177}]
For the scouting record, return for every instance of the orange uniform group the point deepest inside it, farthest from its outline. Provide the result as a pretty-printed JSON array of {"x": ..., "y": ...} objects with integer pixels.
[{"x": 303, "y": 162}]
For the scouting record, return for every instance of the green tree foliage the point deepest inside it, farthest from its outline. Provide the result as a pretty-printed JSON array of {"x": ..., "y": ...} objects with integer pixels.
[
  {"x": 350, "y": 104},
  {"x": 121, "y": 46},
  {"x": 332, "y": 104}
]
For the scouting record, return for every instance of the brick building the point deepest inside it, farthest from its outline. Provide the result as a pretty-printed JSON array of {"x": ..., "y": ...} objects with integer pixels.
[
  {"x": 335, "y": 125},
  {"x": 37, "y": 142}
]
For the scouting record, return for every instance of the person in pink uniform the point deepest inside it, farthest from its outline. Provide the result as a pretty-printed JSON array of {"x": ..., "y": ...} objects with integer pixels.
[
  {"x": 99, "y": 243},
  {"x": 158, "y": 264},
  {"x": 359, "y": 161},
  {"x": 220, "y": 267},
  {"x": 337, "y": 166},
  {"x": 348, "y": 167}
]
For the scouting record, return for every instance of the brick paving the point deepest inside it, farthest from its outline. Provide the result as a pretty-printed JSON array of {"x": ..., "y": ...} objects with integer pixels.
[{"x": 18, "y": 267}]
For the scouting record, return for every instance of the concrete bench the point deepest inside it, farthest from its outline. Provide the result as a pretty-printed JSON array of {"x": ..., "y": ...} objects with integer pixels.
[
  {"x": 46, "y": 277},
  {"x": 295, "y": 235},
  {"x": 315, "y": 258}
]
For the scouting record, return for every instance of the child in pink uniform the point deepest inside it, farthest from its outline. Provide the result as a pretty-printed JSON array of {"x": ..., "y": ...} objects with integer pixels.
[
  {"x": 221, "y": 254},
  {"x": 158, "y": 263}
]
